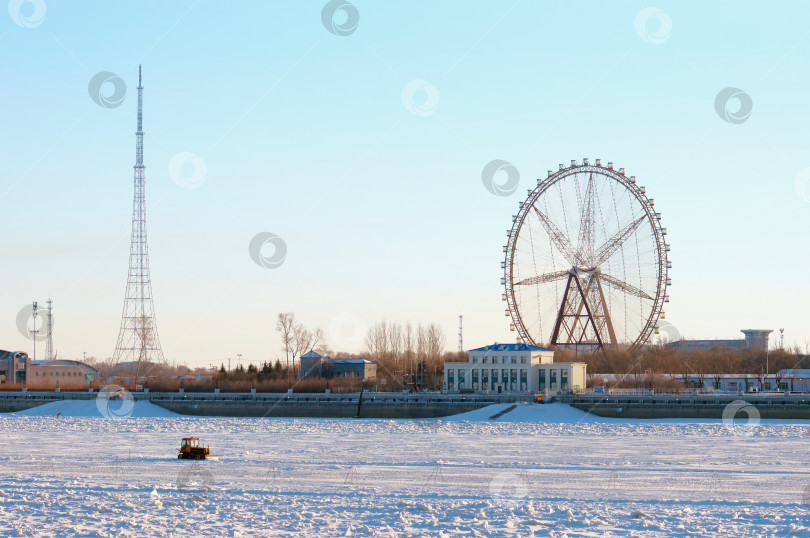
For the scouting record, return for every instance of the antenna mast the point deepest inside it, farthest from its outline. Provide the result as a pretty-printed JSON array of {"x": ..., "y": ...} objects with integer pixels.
[
  {"x": 138, "y": 340},
  {"x": 460, "y": 339},
  {"x": 49, "y": 333}
]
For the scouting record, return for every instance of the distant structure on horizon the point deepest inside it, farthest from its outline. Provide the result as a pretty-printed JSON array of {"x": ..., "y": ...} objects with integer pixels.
[
  {"x": 754, "y": 339},
  {"x": 316, "y": 366},
  {"x": 138, "y": 339}
]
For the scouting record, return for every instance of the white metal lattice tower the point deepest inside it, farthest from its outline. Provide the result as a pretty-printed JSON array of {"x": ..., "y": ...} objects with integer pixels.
[
  {"x": 49, "y": 332},
  {"x": 460, "y": 339},
  {"x": 138, "y": 340}
]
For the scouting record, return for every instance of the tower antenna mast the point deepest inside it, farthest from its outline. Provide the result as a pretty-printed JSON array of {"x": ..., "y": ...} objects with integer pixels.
[
  {"x": 460, "y": 339},
  {"x": 138, "y": 340},
  {"x": 49, "y": 333}
]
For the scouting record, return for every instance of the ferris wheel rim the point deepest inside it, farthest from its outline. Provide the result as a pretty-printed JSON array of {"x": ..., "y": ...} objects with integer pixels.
[{"x": 654, "y": 218}]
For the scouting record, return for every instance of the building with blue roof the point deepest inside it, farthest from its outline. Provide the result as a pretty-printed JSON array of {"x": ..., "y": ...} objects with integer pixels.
[
  {"x": 500, "y": 368},
  {"x": 511, "y": 347},
  {"x": 314, "y": 366}
]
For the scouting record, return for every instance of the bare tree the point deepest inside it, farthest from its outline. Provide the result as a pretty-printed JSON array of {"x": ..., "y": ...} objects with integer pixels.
[
  {"x": 285, "y": 325},
  {"x": 395, "y": 337},
  {"x": 408, "y": 344},
  {"x": 435, "y": 342},
  {"x": 377, "y": 341}
]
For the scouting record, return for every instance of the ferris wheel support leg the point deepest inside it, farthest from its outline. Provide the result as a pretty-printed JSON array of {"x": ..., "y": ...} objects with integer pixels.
[
  {"x": 590, "y": 316},
  {"x": 560, "y": 314},
  {"x": 611, "y": 332}
]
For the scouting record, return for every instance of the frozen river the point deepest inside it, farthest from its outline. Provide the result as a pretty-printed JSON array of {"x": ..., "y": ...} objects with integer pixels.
[{"x": 538, "y": 470}]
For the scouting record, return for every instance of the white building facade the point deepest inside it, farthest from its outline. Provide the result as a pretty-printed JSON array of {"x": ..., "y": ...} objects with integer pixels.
[{"x": 502, "y": 368}]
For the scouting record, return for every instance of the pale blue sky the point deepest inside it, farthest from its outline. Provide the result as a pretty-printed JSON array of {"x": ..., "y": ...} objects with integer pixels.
[{"x": 304, "y": 134}]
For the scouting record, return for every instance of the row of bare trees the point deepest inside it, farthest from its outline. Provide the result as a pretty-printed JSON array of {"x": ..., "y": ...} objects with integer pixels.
[
  {"x": 408, "y": 355},
  {"x": 647, "y": 367}
]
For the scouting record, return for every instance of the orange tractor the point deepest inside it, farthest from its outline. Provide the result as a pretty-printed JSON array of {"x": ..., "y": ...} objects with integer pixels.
[{"x": 190, "y": 449}]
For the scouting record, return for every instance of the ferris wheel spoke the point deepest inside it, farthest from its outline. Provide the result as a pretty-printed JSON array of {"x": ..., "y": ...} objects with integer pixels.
[
  {"x": 586, "y": 226},
  {"x": 612, "y": 245},
  {"x": 623, "y": 286},
  {"x": 557, "y": 237},
  {"x": 541, "y": 279}
]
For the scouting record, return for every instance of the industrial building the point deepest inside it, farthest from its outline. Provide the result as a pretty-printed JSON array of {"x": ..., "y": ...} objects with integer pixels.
[
  {"x": 17, "y": 367},
  {"x": 13, "y": 365},
  {"x": 499, "y": 368},
  {"x": 60, "y": 373},
  {"x": 754, "y": 339},
  {"x": 314, "y": 366}
]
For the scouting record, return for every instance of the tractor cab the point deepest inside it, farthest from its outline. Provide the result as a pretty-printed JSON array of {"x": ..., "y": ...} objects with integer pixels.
[{"x": 190, "y": 449}]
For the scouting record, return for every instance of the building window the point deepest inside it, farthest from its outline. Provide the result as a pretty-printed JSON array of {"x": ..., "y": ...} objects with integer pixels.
[
  {"x": 451, "y": 382},
  {"x": 541, "y": 385},
  {"x": 553, "y": 380},
  {"x": 475, "y": 360},
  {"x": 485, "y": 378},
  {"x": 505, "y": 359},
  {"x": 461, "y": 379},
  {"x": 485, "y": 360},
  {"x": 513, "y": 380},
  {"x": 475, "y": 379},
  {"x": 514, "y": 359},
  {"x": 505, "y": 377},
  {"x": 524, "y": 379},
  {"x": 564, "y": 379},
  {"x": 523, "y": 360}
]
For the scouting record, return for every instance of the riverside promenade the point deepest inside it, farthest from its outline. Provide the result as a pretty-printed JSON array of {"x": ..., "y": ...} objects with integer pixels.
[{"x": 374, "y": 404}]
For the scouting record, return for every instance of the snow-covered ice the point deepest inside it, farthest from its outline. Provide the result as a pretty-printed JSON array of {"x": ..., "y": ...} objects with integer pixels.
[{"x": 544, "y": 470}]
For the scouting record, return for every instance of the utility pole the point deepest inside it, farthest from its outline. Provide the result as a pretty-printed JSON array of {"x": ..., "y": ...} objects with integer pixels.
[{"x": 34, "y": 331}]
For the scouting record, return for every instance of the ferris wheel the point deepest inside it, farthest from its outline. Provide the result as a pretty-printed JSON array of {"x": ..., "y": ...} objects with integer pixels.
[{"x": 586, "y": 261}]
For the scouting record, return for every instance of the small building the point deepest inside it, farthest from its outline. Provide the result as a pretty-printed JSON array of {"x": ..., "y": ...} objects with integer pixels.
[
  {"x": 315, "y": 366},
  {"x": 13, "y": 366},
  {"x": 65, "y": 374},
  {"x": 754, "y": 339},
  {"x": 502, "y": 368}
]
